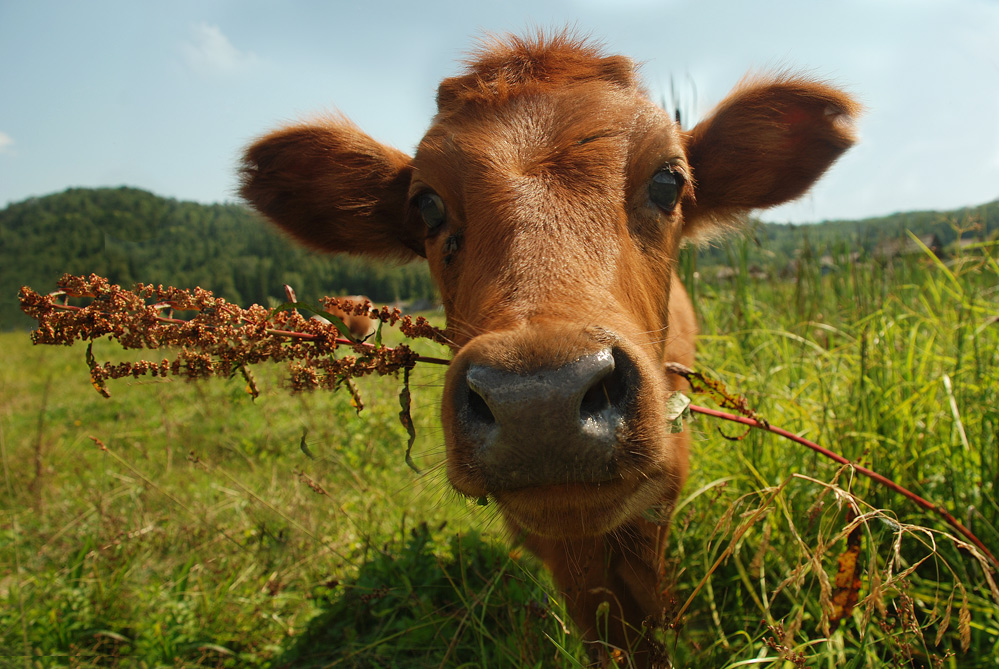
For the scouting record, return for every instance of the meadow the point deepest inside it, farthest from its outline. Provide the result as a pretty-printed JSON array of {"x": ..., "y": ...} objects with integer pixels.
[{"x": 186, "y": 524}]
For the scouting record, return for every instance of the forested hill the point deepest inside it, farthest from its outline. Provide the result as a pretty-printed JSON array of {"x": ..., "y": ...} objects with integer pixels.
[{"x": 130, "y": 235}]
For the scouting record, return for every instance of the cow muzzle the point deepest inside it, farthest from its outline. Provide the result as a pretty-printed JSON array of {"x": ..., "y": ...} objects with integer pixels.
[
  {"x": 528, "y": 414},
  {"x": 563, "y": 430},
  {"x": 551, "y": 426}
]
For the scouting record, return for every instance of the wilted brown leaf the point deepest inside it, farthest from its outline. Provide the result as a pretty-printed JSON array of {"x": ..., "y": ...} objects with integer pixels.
[{"x": 847, "y": 581}]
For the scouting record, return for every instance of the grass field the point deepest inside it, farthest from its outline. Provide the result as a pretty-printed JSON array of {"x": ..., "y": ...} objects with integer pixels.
[{"x": 182, "y": 524}]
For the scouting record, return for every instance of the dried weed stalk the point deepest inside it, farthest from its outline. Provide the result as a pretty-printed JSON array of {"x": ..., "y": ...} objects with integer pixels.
[{"x": 221, "y": 339}]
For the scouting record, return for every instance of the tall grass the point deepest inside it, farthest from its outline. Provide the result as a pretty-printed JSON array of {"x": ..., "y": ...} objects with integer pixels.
[
  {"x": 206, "y": 529},
  {"x": 894, "y": 365}
]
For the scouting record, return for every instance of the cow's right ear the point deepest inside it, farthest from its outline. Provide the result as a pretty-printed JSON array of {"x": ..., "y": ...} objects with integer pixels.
[{"x": 335, "y": 189}]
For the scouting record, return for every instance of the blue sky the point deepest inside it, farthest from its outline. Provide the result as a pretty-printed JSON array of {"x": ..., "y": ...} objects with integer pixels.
[{"x": 164, "y": 95}]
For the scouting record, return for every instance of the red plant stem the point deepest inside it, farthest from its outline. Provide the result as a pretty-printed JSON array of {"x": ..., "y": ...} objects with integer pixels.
[{"x": 887, "y": 482}]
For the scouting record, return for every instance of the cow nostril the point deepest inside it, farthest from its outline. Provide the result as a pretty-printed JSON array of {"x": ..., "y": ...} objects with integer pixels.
[
  {"x": 595, "y": 400},
  {"x": 478, "y": 408},
  {"x": 606, "y": 392}
]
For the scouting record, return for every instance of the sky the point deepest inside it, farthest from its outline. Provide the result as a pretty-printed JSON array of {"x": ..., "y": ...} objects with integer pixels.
[{"x": 164, "y": 95}]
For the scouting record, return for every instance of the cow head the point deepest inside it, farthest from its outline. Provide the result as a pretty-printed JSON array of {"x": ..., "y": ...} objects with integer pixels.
[{"x": 550, "y": 198}]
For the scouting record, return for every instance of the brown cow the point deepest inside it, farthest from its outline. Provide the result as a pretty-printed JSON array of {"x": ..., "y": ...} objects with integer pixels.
[{"x": 550, "y": 198}]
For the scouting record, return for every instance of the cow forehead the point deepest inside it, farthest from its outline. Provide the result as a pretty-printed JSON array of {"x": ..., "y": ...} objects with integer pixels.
[{"x": 580, "y": 144}]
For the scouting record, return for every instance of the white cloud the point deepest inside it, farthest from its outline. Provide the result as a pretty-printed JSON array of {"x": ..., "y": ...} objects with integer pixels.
[
  {"x": 209, "y": 51},
  {"x": 6, "y": 141}
]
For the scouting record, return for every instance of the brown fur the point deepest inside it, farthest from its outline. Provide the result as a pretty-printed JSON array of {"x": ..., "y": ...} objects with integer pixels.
[{"x": 542, "y": 152}]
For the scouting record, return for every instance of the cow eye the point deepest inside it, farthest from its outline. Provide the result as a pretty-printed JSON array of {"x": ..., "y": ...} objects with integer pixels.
[
  {"x": 431, "y": 208},
  {"x": 664, "y": 189}
]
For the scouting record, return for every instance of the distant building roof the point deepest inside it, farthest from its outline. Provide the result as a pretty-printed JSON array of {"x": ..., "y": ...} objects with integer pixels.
[{"x": 893, "y": 248}]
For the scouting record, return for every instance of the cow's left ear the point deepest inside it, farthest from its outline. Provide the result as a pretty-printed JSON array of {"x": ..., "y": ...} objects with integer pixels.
[
  {"x": 334, "y": 188},
  {"x": 765, "y": 144}
]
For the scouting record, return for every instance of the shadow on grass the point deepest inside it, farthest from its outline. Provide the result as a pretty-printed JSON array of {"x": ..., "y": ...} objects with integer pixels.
[{"x": 432, "y": 602}]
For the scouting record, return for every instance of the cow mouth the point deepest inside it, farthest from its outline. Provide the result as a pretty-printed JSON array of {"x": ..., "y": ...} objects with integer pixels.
[{"x": 574, "y": 510}]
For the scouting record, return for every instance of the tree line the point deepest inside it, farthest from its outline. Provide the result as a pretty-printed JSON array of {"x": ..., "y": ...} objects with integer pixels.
[{"x": 130, "y": 236}]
